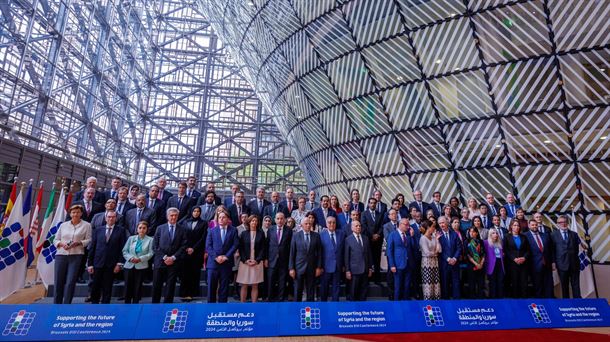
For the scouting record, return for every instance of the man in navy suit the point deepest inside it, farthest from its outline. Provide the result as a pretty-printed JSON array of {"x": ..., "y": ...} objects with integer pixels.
[
  {"x": 305, "y": 262},
  {"x": 344, "y": 218},
  {"x": 181, "y": 201},
  {"x": 358, "y": 262},
  {"x": 221, "y": 243},
  {"x": 169, "y": 246},
  {"x": 373, "y": 229},
  {"x": 123, "y": 205},
  {"x": 502, "y": 232},
  {"x": 100, "y": 218},
  {"x": 115, "y": 185},
  {"x": 541, "y": 261},
  {"x": 258, "y": 204},
  {"x": 140, "y": 213},
  {"x": 332, "y": 259},
  {"x": 230, "y": 200},
  {"x": 278, "y": 251},
  {"x": 274, "y": 207},
  {"x": 401, "y": 246},
  {"x": 105, "y": 257},
  {"x": 493, "y": 208},
  {"x": 191, "y": 189},
  {"x": 381, "y": 208},
  {"x": 355, "y": 203},
  {"x": 324, "y": 211},
  {"x": 436, "y": 205},
  {"x": 235, "y": 210},
  {"x": 157, "y": 205},
  {"x": 388, "y": 228},
  {"x": 449, "y": 266},
  {"x": 486, "y": 219},
  {"x": 290, "y": 203},
  {"x": 511, "y": 205},
  {"x": 419, "y": 204}
]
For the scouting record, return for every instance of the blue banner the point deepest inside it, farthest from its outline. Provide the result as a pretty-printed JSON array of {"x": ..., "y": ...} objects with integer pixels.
[{"x": 171, "y": 321}]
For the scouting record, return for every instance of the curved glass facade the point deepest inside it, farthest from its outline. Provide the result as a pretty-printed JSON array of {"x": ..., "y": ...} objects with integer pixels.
[{"x": 463, "y": 97}]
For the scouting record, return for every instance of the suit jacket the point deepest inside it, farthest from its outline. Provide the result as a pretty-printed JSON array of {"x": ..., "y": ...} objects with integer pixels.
[
  {"x": 437, "y": 212},
  {"x": 320, "y": 219},
  {"x": 228, "y": 201},
  {"x": 382, "y": 208},
  {"x": 100, "y": 220},
  {"x": 332, "y": 254},
  {"x": 253, "y": 205},
  {"x": 278, "y": 251},
  {"x": 208, "y": 215},
  {"x": 260, "y": 248},
  {"x": 164, "y": 245},
  {"x": 99, "y": 197},
  {"x": 547, "y": 230},
  {"x": 96, "y": 207},
  {"x": 129, "y": 251},
  {"x": 201, "y": 200},
  {"x": 194, "y": 194},
  {"x": 401, "y": 254},
  {"x": 540, "y": 259},
  {"x": 185, "y": 207},
  {"x": 490, "y": 212},
  {"x": 234, "y": 214},
  {"x": 451, "y": 248},
  {"x": 511, "y": 212},
  {"x": 388, "y": 228},
  {"x": 159, "y": 209},
  {"x": 302, "y": 259},
  {"x": 195, "y": 236},
  {"x": 357, "y": 259},
  {"x": 108, "y": 195},
  {"x": 502, "y": 232},
  {"x": 215, "y": 247},
  {"x": 147, "y": 215},
  {"x": 344, "y": 223},
  {"x": 423, "y": 208},
  {"x": 104, "y": 254},
  {"x": 166, "y": 196},
  {"x": 284, "y": 205},
  {"x": 487, "y": 222},
  {"x": 126, "y": 207},
  {"x": 371, "y": 226},
  {"x": 511, "y": 250},
  {"x": 490, "y": 258},
  {"x": 311, "y": 206},
  {"x": 268, "y": 210},
  {"x": 565, "y": 253},
  {"x": 360, "y": 206}
]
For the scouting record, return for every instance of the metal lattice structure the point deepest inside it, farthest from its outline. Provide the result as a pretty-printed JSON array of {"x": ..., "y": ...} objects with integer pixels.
[
  {"x": 139, "y": 88},
  {"x": 463, "y": 97}
]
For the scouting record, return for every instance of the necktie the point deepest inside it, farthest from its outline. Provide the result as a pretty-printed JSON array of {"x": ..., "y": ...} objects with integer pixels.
[
  {"x": 325, "y": 213},
  {"x": 113, "y": 194},
  {"x": 274, "y": 209},
  {"x": 260, "y": 206},
  {"x": 501, "y": 233},
  {"x": 151, "y": 204},
  {"x": 373, "y": 215},
  {"x": 359, "y": 240},
  {"x": 438, "y": 208},
  {"x": 108, "y": 232},
  {"x": 484, "y": 221},
  {"x": 161, "y": 194},
  {"x": 222, "y": 234},
  {"x": 208, "y": 211},
  {"x": 541, "y": 229},
  {"x": 538, "y": 242},
  {"x": 88, "y": 208},
  {"x": 512, "y": 210},
  {"x": 238, "y": 210},
  {"x": 279, "y": 235},
  {"x": 402, "y": 237},
  {"x": 421, "y": 208},
  {"x": 233, "y": 200},
  {"x": 307, "y": 240},
  {"x": 447, "y": 237},
  {"x": 493, "y": 210},
  {"x": 289, "y": 205},
  {"x": 332, "y": 239},
  {"x": 188, "y": 193},
  {"x": 171, "y": 232},
  {"x": 120, "y": 208},
  {"x": 138, "y": 215},
  {"x": 179, "y": 202},
  {"x": 565, "y": 236},
  {"x": 394, "y": 224}
]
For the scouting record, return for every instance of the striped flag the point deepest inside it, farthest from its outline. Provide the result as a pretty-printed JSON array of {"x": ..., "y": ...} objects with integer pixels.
[
  {"x": 587, "y": 286},
  {"x": 46, "y": 223},
  {"x": 46, "y": 260},
  {"x": 9, "y": 205},
  {"x": 13, "y": 264},
  {"x": 31, "y": 237}
]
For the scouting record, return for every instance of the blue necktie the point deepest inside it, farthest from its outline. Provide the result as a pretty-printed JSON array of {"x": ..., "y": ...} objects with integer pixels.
[
  {"x": 222, "y": 234},
  {"x": 332, "y": 238},
  {"x": 171, "y": 232}
]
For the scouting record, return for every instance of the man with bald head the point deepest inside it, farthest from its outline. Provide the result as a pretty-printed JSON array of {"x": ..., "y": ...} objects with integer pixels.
[{"x": 274, "y": 207}]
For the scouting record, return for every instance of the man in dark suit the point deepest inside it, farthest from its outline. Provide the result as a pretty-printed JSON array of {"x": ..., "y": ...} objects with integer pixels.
[
  {"x": 449, "y": 266},
  {"x": 105, "y": 257},
  {"x": 123, "y": 205},
  {"x": 419, "y": 204},
  {"x": 90, "y": 206},
  {"x": 396, "y": 207},
  {"x": 311, "y": 201},
  {"x": 355, "y": 204},
  {"x": 401, "y": 249},
  {"x": 191, "y": 188},
  {"x": 358, "y": 262},
  {"x": 169, "y": 246},
  {"x": 541, "y": 261},
  {"x": 181, "y": 201},
  {"x": 485, "y": 217},
  {"x": 511, "y": 205},
  {"x": 274, "y": 207},
  {"x": 235, "y": 210},
  {"x": 257, "y": 205},
  {"x": 324, "y": 211},
  {"x": 210, "y": 187},
  {"x": 388, "y": 228},
  {"x": 208, "y": 208},
  {"x": 493, "y": 208},
  {"x": 98, "y": 196},
  {"x": 163, "y": 195},
  {"x": 221, "y": 243},
  {"x": 436, "y": 205},
  {"x": 502, "y": 232},
  {"x": 381, "y": 208},
  {"x": 279, "y": 239},
  {"x": 305, "y": 262},
  {"x": 140, "y": 213},
  {"x": 565, "y": 256},
  {"x": 332, "y": 260},
  {"x": 373, "y": 229},
  {"x": 99, "y": 219},
  {"x": 113, "y": 192},
  {"x": 344, "y": 218},
  {"x": 157, "y": 205},
  {"x": 542, "y": 228},
  {"x": 290, "y": 203},
  {"x": 230, "y": 200}
]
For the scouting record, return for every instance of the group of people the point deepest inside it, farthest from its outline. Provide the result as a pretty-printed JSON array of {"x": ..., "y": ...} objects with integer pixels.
[{"x": 299, "y": 248}]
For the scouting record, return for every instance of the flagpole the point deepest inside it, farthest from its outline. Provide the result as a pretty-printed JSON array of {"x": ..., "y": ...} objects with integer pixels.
[{"x": 36, "y": 281}]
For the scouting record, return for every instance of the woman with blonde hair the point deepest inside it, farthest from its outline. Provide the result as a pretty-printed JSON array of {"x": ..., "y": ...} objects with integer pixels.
[
  {"x": 494, "y": 264},
  {"x": 473, "y": 208}
]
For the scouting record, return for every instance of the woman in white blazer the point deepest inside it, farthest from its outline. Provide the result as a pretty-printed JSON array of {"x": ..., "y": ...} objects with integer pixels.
[{"x": 137, "y": 251}]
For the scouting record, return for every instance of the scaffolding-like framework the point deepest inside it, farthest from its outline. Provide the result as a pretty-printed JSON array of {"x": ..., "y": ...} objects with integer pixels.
[{"x": 138, "y": 88}]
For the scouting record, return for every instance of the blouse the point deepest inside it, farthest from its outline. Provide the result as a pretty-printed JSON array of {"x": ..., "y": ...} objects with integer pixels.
[
  {"x": 429, "y": 247},
  {"x": 76, "y": 233},
  {"x": 298, "y": 216}
]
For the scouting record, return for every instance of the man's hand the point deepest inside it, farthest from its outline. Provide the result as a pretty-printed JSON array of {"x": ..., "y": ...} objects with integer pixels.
[
  {"x": 370, "y": 273},
  {"x": 189, "y": 251},
  {"x": 293, "y": 274},
  {"x": 319, "y": 272},
  {"x": 393, "y": 269},
  {"x": 169, "y": 261},
  {"x": 348, "y": 275},
  {"x": 90, "y": 269},
  {"x": 117, "y": 269}
]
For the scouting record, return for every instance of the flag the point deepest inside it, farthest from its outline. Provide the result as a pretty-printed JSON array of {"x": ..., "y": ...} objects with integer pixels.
[
  {"x": 32, "y": 237},
  {"x": 12, "y": 256},
  {"x": 587, "y": 286},
  {"x": 46, "y": 223},
  {"x": 46, "y": 263},
  {"x": 9, "y": 205}
]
